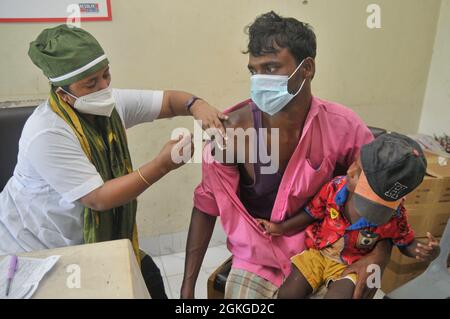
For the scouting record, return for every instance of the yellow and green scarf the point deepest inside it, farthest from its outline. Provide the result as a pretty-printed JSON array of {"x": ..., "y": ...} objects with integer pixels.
[{"x": 105, "y": 145}]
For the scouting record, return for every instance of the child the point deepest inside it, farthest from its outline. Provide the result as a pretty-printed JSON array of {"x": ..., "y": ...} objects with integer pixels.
[{"x": 351, "y": 213}]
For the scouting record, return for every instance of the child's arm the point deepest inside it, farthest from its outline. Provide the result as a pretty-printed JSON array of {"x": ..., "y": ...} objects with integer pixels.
[
  {"x": 314, "y": 210},
  {"x": 423, "y": 252},
  {"x": 292, "y": 225}
]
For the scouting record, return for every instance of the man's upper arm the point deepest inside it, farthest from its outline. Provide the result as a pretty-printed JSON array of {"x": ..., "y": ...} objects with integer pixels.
[
  {"x": 204, "y": 201},
  {"x": 58, "y": 158},
  {"x": 138, "y": 106}
]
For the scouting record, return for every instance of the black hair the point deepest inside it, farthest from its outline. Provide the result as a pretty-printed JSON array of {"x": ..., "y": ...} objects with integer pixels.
[{"x": 270, "y": 32}]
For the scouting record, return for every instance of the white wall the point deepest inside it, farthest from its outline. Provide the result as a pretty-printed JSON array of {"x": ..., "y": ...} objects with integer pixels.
[
  {"x": 196, "y": 46},
  {"x": 435, "y": 117}
]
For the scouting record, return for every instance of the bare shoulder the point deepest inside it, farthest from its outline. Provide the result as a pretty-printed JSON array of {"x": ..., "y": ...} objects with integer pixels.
[{"x": 240, "y": 118}]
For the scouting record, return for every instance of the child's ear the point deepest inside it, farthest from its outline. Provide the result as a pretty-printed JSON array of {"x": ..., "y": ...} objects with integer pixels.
[
  {"x": 353, "y": 176},
  {"x": 352, "y": 169},
  {"x": 351, "y": 185}
]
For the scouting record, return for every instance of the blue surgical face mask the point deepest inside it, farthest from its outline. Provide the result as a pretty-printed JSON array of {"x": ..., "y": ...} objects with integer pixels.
[{"x": 270, "y": 92}]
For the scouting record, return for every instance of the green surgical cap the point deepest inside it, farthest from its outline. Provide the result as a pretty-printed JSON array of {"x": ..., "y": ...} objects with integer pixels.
[{"x": 67, "y": 54}]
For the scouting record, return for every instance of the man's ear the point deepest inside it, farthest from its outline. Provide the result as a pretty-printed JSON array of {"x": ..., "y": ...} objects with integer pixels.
[{"x": 309, "y": 68}]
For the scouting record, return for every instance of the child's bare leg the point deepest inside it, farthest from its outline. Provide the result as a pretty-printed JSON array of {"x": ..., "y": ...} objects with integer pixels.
[
  {"x": 295, "y": 287},
  {"x": 340, "y": 289}
]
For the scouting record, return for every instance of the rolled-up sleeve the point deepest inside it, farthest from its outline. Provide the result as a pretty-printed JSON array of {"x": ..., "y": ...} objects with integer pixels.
[
  {"x": 204, "y": 199},
  {"x": 138, "y": 106}
]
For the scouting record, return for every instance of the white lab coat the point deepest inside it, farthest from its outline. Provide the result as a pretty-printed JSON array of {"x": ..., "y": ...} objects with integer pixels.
[{"x": 39, "y": 207}]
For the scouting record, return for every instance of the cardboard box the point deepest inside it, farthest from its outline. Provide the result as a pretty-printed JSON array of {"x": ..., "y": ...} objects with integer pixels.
[
  {"x": 444, "y": 194},
  {"x": 431, "y": 218},
  {"x": 435, "y": 187},
  {"x": 426, "y": 193},
  {"x": 439, "y": 167},
  {"x": 401, "y": 269},
  {"x": 429, "y": 204}
]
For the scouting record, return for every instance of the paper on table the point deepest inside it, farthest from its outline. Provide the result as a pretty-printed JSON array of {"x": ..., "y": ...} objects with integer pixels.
[{"x": 30, "y": 272}]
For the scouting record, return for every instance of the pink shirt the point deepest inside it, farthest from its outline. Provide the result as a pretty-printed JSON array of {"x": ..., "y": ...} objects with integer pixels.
[{"x": 332, "y": 134}]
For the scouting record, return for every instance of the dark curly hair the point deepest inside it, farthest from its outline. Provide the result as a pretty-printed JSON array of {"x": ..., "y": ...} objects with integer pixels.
[{"x": 270, "y": 32}]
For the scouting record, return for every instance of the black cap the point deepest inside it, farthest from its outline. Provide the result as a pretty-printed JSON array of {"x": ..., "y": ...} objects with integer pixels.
[{"x": 394, "y": 166}]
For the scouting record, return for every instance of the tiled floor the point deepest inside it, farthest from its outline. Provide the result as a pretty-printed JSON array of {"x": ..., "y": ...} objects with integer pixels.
[{"x": 172, "y": 268}]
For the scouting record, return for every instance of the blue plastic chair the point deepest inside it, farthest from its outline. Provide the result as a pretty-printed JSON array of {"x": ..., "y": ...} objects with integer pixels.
[{"x": 434, "y": 283}]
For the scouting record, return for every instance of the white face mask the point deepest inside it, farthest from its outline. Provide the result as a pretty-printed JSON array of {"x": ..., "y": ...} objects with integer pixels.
[
  {"x": 270, "y": 92},
  {"x": 98, "y": 103}
]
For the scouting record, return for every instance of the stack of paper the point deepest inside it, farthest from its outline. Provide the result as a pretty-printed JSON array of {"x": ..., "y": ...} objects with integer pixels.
[{"x": 29, "y": 273}]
